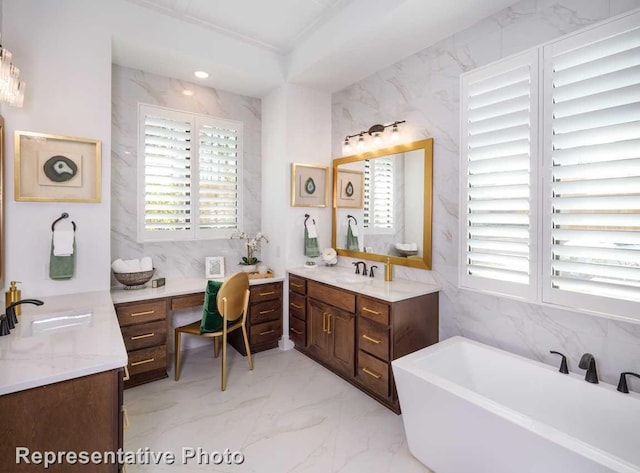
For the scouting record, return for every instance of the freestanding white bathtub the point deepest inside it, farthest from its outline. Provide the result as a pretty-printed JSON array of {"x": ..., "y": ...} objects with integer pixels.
[{"x": 472, "y": 408}]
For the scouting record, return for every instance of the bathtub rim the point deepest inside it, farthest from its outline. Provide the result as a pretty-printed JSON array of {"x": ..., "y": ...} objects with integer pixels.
[{"x": 408, "y": 363}]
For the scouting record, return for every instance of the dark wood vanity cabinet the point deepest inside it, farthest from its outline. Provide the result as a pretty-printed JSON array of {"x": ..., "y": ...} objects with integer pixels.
[
  {"x": 264, "y": 321},
  {"x": 358, "y": 336},
  {"x": 79, "y": 414}
]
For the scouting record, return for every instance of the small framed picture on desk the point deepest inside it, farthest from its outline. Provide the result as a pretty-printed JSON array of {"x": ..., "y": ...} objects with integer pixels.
[{"x": 214, "y": 267}]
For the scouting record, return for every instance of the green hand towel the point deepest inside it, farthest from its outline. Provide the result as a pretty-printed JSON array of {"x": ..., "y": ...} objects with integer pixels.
[
  {"x": 62, "y": 267},
  {"x": 211, "y": 318},
  {"x": 352, "y": 240},
  {"x": 310, "y": 245}
]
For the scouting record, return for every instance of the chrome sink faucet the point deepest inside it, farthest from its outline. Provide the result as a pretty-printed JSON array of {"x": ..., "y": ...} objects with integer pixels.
[{"x": 588, "y": 362}]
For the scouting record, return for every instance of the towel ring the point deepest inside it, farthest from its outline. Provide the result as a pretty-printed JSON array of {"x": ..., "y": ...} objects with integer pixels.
[
  {"x": 354, "y": 219},
  {"x": 306, "y": 217},
  {"x": 61, "y": 217}
]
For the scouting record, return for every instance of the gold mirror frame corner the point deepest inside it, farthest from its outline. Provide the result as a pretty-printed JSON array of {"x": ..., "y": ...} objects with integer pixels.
[{"x": 426, "y": 261}]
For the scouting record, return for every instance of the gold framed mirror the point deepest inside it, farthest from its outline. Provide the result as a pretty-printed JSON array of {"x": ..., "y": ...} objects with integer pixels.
[{"x": 382, "y": 204}]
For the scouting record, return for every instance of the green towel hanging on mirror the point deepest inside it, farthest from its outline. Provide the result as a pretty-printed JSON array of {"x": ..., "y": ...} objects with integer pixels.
[
  {"x": 352, "y": 240},
  {"x": 310, "y": 245}
]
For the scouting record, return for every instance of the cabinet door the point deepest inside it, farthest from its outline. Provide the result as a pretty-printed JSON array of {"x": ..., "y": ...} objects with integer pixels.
[
  {"x": 317, "y": 336},
  {"x": 341, "y": 330}
]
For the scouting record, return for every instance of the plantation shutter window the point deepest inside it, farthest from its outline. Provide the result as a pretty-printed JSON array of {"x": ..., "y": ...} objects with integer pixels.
[
  {"x": 219, "y": 177},
  {"x": 189, "y": 175},
  {"x": 592, "y": 170},
  {"x": 498, "y": 147},
  {"x": 379, "y": 195}
]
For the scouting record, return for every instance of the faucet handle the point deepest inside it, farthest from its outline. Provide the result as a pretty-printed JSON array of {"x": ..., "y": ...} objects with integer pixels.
[
  {"x": 622, "y": 384},
  {"x": 357, "y": 265},
  {"x": 563, "y": 364},
  {"x": 4, "y": 325},
  {"x": 371, "y": 275}
]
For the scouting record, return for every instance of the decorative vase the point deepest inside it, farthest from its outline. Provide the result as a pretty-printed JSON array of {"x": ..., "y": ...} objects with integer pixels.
[{"x": 249, "y": 268}]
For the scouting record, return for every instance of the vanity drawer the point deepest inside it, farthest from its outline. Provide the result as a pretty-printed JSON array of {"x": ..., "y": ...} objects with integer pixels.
[
  {"x": 265, "y": 292},
  {"x": 332, "y": 296},
  {"x": 187, "y": 300},
  {"x": 147, "y": 359},
  {"x": 298, "y": 331},
  {"x": 373, "y": 338},
  {"x": 373, "y": 373},
  {"x": 297, "y": 305},
  {"x": 144, "y": 335},
  {"x": 139, "y": 312},
  {"x": 297, "y": 284},
  {"x": 373, "y": 309},
  {"x": 266, "y": 333},
  {"x": 265, "y": 311}
]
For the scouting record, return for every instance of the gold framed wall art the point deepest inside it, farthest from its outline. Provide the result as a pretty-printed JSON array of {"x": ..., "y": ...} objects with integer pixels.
[
  {"x": 309, "y": 185},
  {"x": 350, "y": 189},
  {"x": 55, "y": 168}
]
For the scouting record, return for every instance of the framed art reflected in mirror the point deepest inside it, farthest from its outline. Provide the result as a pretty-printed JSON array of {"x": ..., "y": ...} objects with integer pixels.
[{"x": 349, "y": 193}]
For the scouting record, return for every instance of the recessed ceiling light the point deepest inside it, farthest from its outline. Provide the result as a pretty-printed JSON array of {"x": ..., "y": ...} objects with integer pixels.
[
  {"x": 187, "y": 92},
  {"x": 201, "y": 74}
]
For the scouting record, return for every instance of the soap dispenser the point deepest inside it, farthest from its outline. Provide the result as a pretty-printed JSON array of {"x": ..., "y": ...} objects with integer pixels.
[{"x": 13, "y": 295}]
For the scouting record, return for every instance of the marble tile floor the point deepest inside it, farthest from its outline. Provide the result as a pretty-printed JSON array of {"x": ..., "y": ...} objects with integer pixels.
[{"x": 287, "y": 415}]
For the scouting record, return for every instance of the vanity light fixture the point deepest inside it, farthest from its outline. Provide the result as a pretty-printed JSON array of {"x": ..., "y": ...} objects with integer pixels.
[
  {"x": 11, "y": 87},
  {"x": 201, "y": 74},
  {"x": 376, "y": 132}
]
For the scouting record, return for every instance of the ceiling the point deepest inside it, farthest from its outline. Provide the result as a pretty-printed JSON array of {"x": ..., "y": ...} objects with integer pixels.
[{"x": 253, "y": 46}]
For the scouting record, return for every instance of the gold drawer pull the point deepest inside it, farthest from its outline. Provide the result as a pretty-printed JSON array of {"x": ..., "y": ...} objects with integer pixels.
[
  {"x": 267, "y": 332},
  {"x": 296, "y": 306},
  {"x": 372, "y": 340},
  {"x": 143, "y": 362},
  {"x": 266, "y": 293},
  {"x": 329, "y": 324},
  {"x": 146, "y": 312},
  {"x": 297, "y": 332},
  {"x": 366, "y": 309},
  {"x": 126, "y": 373},
  {"x": 295, "y": 284},
  {"x": 262, "y": 312},
  {"x": 146, "y": 335},
  {"x": 371, "y": 373}
]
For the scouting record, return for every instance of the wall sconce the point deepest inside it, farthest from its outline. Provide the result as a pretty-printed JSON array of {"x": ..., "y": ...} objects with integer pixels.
[
  {"x": 11, "y": 88},
  {"x": 376, "y": 134}
]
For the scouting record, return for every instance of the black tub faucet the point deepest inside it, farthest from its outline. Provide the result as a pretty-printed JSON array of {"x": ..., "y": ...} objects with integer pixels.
[
  {"x": 563, "y": 364},
  {"x": 588, "y": 362},
  {"x": 622, "y": 384}
]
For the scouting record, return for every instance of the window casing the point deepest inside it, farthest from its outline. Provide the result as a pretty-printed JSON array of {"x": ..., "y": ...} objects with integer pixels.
[
  {"x": 189, "y": 175},
  {"x": 584, "y": 247}
]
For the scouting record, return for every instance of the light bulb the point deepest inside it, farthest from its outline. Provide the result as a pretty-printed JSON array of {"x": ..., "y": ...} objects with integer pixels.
[
  {"x": 377, "y": 139},
  {"x": 395, "y": 134},
  {"x": 361, "y": 143},
  {"x": 346, "y": 148}
]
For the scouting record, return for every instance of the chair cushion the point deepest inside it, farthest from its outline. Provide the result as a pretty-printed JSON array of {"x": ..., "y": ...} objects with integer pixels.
[{"x": 211, "y": 318}]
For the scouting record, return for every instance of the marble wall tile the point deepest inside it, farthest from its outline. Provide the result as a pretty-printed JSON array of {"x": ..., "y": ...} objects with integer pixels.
[
  {"x": 424, "y": 89},
  {"x": 186, "y": 258}
]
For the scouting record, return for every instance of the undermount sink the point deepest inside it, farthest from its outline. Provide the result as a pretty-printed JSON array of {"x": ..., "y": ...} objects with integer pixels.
[
  {"x": 352, "y": 279},
  {"x": 61, "y": 321}
]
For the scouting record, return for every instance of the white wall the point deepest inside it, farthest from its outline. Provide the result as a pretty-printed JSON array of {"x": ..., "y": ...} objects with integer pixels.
[
  {"x": 424, "y": 90},
  {"x": 296, "y": 129},
  {"x": 66, "y": 61}
]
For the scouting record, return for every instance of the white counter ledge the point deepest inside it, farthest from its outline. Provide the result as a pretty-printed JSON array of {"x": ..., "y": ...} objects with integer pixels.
[
  {"x": 173, "y": 287},
  {"x": 43, "y": 350},
  {"x": 344, "y": 278}
]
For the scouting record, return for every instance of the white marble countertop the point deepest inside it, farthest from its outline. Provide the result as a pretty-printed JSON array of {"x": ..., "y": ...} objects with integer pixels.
[
  {"x": 59, "y": 341},
  {"x": 173, "y": 287},
  {"x": 344, "y": 278}
]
